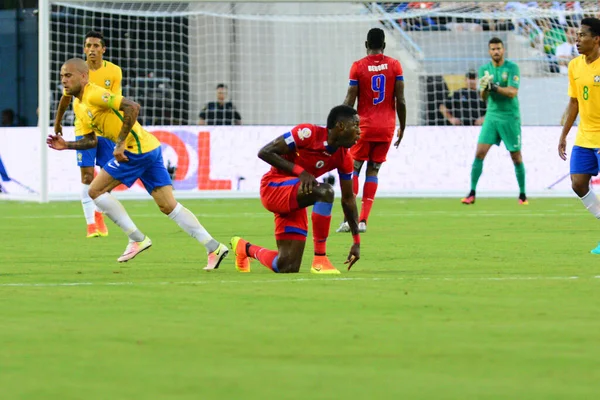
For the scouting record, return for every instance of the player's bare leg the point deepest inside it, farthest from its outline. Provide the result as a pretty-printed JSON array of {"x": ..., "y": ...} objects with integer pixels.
[
  {"x": 168, "y": 205},
  {"x": 344, "y": 227},
  {"x": 99, "y": 191},
  {"x": 517, "y": 159},
  {"x": 89, "y": 208},
  {"x": 476, "y": 170},
  {"x": 321, "y": 198}
]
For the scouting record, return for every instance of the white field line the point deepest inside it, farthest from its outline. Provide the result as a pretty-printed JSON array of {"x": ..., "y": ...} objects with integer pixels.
[
  {"x": 295, "y": 280},
  {"x": 266, "y": 214}
]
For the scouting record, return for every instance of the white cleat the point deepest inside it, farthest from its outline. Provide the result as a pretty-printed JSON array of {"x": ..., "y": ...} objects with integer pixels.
[
  {"x": 135, "y": 248},
  {"x": 344, "y": 227},
  {"x": 215, "y": 258},
  {"x": 362, "y": 227}
]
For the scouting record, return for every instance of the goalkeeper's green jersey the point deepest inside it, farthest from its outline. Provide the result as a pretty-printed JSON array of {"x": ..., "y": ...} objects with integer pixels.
[{"x": 505, "y": 75}]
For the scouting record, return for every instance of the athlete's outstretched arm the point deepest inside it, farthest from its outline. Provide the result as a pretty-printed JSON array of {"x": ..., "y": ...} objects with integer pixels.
[
  {"x": 271, "y": 154},
  {"x": 400, "y": 110},
  {"x": 351, "y": 215},
  {"x": 62, "y": 107},
  {"x": 351, "y": 95},
  {"x": 572, "y": 111},
  {"x": 57, "y": 142}
]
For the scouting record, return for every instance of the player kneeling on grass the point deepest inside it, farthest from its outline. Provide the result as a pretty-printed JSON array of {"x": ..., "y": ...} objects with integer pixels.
[
  {"x": 137, "y": 155},
  {"x": 297, "y": 157}
]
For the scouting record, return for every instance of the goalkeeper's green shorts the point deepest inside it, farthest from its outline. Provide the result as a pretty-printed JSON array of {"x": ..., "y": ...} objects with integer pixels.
[{"x": 506, "y": 130}]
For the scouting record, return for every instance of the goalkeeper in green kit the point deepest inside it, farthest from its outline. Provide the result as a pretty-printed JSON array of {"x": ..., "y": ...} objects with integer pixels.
[{"x": 499, "y": 86}]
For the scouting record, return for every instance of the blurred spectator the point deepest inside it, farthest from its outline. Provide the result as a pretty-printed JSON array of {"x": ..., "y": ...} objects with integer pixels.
[
  {"x": 554, "y": 35},
  {"x": 8, "y": 117},
  {"x": 220, "y": 112},
  {"x": 465, "y": 106},
  {"x": 567, "y": 51}
]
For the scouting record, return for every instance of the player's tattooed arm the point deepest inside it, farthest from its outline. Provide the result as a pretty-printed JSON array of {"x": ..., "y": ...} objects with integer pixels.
[
  {"x": 131, "y": 110},
  {"x": 349, "y": 205},
  {"x": 62, "y": 108},
  {"x": 351, "y": 96},
  {"x": 57, "y": 142}
]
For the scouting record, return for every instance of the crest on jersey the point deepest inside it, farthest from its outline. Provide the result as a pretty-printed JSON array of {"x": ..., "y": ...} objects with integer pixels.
[
  {"x": 304, "y": 133},
  {"x": 320, "y": 164},
  {"x": 505, "y": 76},
  {"x": 516, "y": 79},
  {"x": 107, "y": 83},
  {"x": 596, "y": 79},
  {"x": 105, "y": 97}
]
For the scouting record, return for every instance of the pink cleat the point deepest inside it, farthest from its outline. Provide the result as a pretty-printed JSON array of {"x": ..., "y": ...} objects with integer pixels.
[
  {"x": 215, "y": 258},
  {"x": 135, "y": 248}
]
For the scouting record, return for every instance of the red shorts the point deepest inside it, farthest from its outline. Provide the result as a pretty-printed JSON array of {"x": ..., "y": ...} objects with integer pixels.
[
  {"x": 370, "y": 151},
  {"x": 278, "y": 195}
]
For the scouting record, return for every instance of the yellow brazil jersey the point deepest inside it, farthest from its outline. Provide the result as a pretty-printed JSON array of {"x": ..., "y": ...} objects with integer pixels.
[
  {"x": 584, "y": 84},
  {"x": 98, "y": 112},
  {"x": 108, "y": 76}
]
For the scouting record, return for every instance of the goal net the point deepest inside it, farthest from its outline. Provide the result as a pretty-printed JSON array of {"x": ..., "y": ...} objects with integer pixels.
[{"x": 283, "y": 64}]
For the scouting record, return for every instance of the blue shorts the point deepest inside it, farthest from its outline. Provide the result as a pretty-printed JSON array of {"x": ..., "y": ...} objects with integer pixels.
[
  {"x": 148, "y": 167},
  {"x": 584, "y": 161},
  {"x": 99, "y": 154}
]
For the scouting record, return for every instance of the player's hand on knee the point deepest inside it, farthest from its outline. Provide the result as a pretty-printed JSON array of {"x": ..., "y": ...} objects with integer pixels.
[
  {"x": 56, "y": 142},
  {"x": 307, "y": 182}
]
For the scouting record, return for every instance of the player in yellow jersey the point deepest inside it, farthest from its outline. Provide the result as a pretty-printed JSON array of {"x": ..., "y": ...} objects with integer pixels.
[
  {"x": 137, "y": 154},
  {"x": 107, "y": 75},
  {"x": 584, "y": 93}
]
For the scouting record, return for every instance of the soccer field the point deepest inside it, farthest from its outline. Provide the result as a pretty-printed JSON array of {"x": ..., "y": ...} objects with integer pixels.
[{"x": 493, "y": 301}]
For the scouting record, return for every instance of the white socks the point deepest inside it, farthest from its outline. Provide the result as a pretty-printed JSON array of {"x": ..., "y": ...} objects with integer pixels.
[
  {"x": 189, "y": 223},
  {"x": 591, "y": 202},
  {"x": 116, "y": 212},
  {"x": 88, "y": 204}
]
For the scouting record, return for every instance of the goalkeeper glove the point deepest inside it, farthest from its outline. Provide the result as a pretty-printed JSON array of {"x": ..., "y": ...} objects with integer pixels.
[
  {"x": 492, "y": 87},
  {"x": 484, "y": 82}
]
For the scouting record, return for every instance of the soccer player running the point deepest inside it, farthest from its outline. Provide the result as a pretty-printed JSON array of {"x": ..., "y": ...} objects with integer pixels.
[
  {"x": 584, "y": 93},
  {"x": 108, "y": 76},
  {"x": 499, "y": 87},
  {"x": 137, "y": 154},
  {"x": 377, "y": 81},
  {"x": 297, "y": 158}
]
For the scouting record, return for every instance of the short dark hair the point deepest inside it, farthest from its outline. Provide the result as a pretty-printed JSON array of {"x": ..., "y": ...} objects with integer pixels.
[
  {"x": 338, "y": 113},
  {"x": 471, "y": 74},
  {"x": 496, "y": 40},
  {"x": 375, "y": 39},
  {"x": 221, "y": 86},
  {"x": 97, "y": 35},
  {"x": 593, "y": 24}
]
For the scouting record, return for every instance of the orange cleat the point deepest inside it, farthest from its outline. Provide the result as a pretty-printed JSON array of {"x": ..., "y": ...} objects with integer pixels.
[
  {"x": 468, "y": 200},
  {"x": 242, "y": 261},
  {"x": 322, "y": 265},
  {"x": 100, "y": 225},
  {"x": 92, "y": 231}
]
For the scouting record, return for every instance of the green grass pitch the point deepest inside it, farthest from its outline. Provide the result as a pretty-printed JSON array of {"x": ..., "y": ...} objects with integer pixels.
[{"x": 493, "y": 301}]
